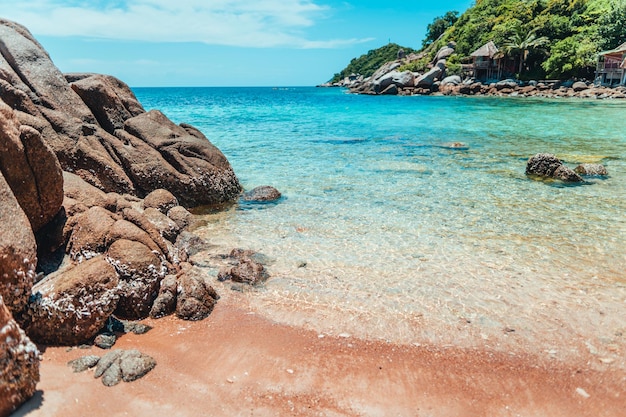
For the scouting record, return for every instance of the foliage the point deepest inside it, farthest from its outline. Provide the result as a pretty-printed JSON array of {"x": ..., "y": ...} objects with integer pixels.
[
  {"x": 568, "y": 35},
  {"x": 368, "y": 63},
  {"x": 612, "y": 28},
  {"x": 521, "y": 42},
  {"x": 439, "y": 25}
]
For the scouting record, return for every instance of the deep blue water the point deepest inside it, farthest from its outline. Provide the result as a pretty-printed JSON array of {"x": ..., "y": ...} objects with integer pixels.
[{"x": 388, "y": 218}]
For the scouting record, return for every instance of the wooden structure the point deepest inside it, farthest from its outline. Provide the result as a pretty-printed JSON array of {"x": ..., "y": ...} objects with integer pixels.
[
  {"x": 486, "y": 63},
  {"x": 611, "y": 69}
]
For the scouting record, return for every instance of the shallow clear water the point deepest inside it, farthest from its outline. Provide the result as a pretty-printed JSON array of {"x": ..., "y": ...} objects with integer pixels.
[{"x": 385, "y": 231}]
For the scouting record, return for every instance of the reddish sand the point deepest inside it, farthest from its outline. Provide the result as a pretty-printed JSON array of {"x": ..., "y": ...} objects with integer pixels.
[{"x": 236, "y": 363}]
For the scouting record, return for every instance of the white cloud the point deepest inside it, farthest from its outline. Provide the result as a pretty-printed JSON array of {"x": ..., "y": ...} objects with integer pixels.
[{"x": 249, "y": 23}]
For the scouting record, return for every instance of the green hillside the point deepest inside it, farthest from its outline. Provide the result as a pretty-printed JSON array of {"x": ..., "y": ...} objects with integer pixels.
[
  {"x": 547, "y": 38},
  {"x": 572, "y": 32},
  {"x": 368, "y": 63}
]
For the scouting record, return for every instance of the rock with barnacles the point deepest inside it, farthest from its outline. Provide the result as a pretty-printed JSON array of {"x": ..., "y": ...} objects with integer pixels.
[
  {"x": 71, "y": 307},
  {"x": 19, "y": 364}
]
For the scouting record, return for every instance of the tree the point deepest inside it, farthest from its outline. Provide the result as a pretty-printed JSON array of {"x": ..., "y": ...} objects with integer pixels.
[
  {"x": 612, "y": 27},
  {"x": 439, "y": 25},
  {"x": 521, "y": 42}
]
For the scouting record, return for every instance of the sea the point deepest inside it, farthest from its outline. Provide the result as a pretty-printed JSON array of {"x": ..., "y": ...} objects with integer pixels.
[{"x": 411, "y": 219}]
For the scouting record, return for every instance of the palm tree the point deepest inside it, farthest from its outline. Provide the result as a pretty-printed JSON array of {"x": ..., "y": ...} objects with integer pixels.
[{"x": 521, "y": 42}]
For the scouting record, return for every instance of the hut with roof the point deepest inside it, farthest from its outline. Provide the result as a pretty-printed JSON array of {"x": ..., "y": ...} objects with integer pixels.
[
  {"x": 488, "y": 63},
  {"x": 611, "y": 68},
  {"x": 483, "y": 63}
]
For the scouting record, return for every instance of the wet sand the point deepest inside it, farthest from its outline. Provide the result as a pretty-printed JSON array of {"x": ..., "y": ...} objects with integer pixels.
[{"x": 238, "y": 363}]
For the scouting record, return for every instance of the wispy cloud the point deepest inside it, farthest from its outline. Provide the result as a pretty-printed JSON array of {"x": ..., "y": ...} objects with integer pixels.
[{"x": 247, "y": 23}]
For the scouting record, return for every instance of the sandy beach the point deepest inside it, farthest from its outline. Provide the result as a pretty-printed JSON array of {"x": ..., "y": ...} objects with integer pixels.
[{"x": 238, "y": 363}]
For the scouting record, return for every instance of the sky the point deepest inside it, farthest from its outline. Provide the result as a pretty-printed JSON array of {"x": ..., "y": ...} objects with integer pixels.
[{"x": 153, "y": 43}]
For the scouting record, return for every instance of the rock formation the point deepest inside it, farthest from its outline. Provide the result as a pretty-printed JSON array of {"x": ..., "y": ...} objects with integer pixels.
[
  {"x": 549, "y": 166},
  {"x": 78, "y": 153},
  {"x": 19, "y": 364},
  {"x": 99, "y": 131}
]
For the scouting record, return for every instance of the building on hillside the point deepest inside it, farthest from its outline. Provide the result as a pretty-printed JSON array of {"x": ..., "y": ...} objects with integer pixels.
[
  {"x": 487, "y": 63},
  {"x": 611, "y": 69}
]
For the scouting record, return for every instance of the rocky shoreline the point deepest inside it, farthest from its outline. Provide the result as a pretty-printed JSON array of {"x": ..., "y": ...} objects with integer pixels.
[
  {"x": 390, "y": 80},
  {"x": 94, "y": 192}
]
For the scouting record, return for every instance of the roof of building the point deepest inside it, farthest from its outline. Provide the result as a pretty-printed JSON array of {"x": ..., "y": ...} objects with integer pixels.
[
  {"x": 487, "y": 50},
  {"x": 620, "y": 49}
]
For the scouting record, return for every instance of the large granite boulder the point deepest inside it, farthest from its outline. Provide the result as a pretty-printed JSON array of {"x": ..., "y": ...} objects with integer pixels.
[
  {"x": 18, "y": 252},
  {"x": 436, "y": 73},
  {"x": 100, "y": 132},
  {"x": 19, "y": 364},
  {"x": 549, "y": 166},
  {"x": 140, "y": 271},
  {"x": 71, "y": 307},
  {"x": 30, "y": 168}
]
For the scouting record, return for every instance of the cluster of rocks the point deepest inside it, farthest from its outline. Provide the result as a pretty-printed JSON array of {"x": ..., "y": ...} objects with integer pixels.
[
  {"x": 454, "y": 86},
  {"x": 93, "y": 197},
  {"x": 388, "y": 80},
  {"x": 546, "y": 165},
  {"x": 116, "y": 366}
]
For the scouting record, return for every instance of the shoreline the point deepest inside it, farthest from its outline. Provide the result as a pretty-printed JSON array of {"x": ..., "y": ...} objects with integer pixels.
[{"x": 237, "y": 362}]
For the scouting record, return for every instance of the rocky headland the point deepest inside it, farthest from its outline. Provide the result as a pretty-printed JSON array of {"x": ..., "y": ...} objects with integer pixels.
[
  {"x": 94, "y": 192},
  {"x": 390, "y": 80}
]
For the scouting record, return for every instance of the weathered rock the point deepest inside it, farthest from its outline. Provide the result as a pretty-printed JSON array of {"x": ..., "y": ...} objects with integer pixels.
[
  {"x": 451, "y": 80},
  {"x": 246, "y": 271},
  {"x": 83, "y": 363},
  {"x": 181, "y": 216},
  {"x": 566, "y": 174},
  {"x": 203, "y": 177},
  {"x": 123, "y": 229},
  {"x": 161, "y": 200},
  {"x": 166, "y": 226},
  {"x": 189, "y": 244},
  {"x": 71, "y": 307},
  {"x": 392, "y": 90},
  {"x": 543, "y": 164},
  {"x": 263, "y": 193},
  {"x": 139, "y": 220},
  {"x": 140, "y": 272},
  {"x": 591, "y": 170},
  {"x": 165, "y": 303},
  {"x": 196, "y": 298},
  {"x": 445, "y": 52},
  {"x": 579, "y": 86},
  {"x": 123, "y": 365},
  {"x": 88, "y": 238},
  {"x": 100, "y": 132},
  {"x": 19, "y": 364},
  {"x": 78, "y": 189},
  {"x": 248, "y": 268},
  {"x": 426, "y": 80},
  {"x": 18, "y": 252},
  {"x": 105, "y": 340},
  {"x": 548, "y": 165},
  {"x": 110, "y": 100},
  {"x": 30, "y": 168}
]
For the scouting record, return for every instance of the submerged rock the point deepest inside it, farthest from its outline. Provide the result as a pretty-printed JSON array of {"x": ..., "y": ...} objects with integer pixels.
[
  {"x": 549, "y": 166},
  {"x": 261, "y": 194},
  {"x": 592, "y": 170}
]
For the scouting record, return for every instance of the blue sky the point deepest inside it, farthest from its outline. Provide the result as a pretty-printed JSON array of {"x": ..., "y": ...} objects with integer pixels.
[{"x": 220, "y": 42}]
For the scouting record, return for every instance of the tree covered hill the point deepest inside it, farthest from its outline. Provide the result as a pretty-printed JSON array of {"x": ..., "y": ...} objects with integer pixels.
[
  {"x": 548, "y": 38},
  {"x": 368, "y": 63}
]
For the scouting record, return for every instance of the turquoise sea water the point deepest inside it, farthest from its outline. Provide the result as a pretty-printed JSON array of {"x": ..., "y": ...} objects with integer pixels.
[{"x": 384, "y": 231}]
